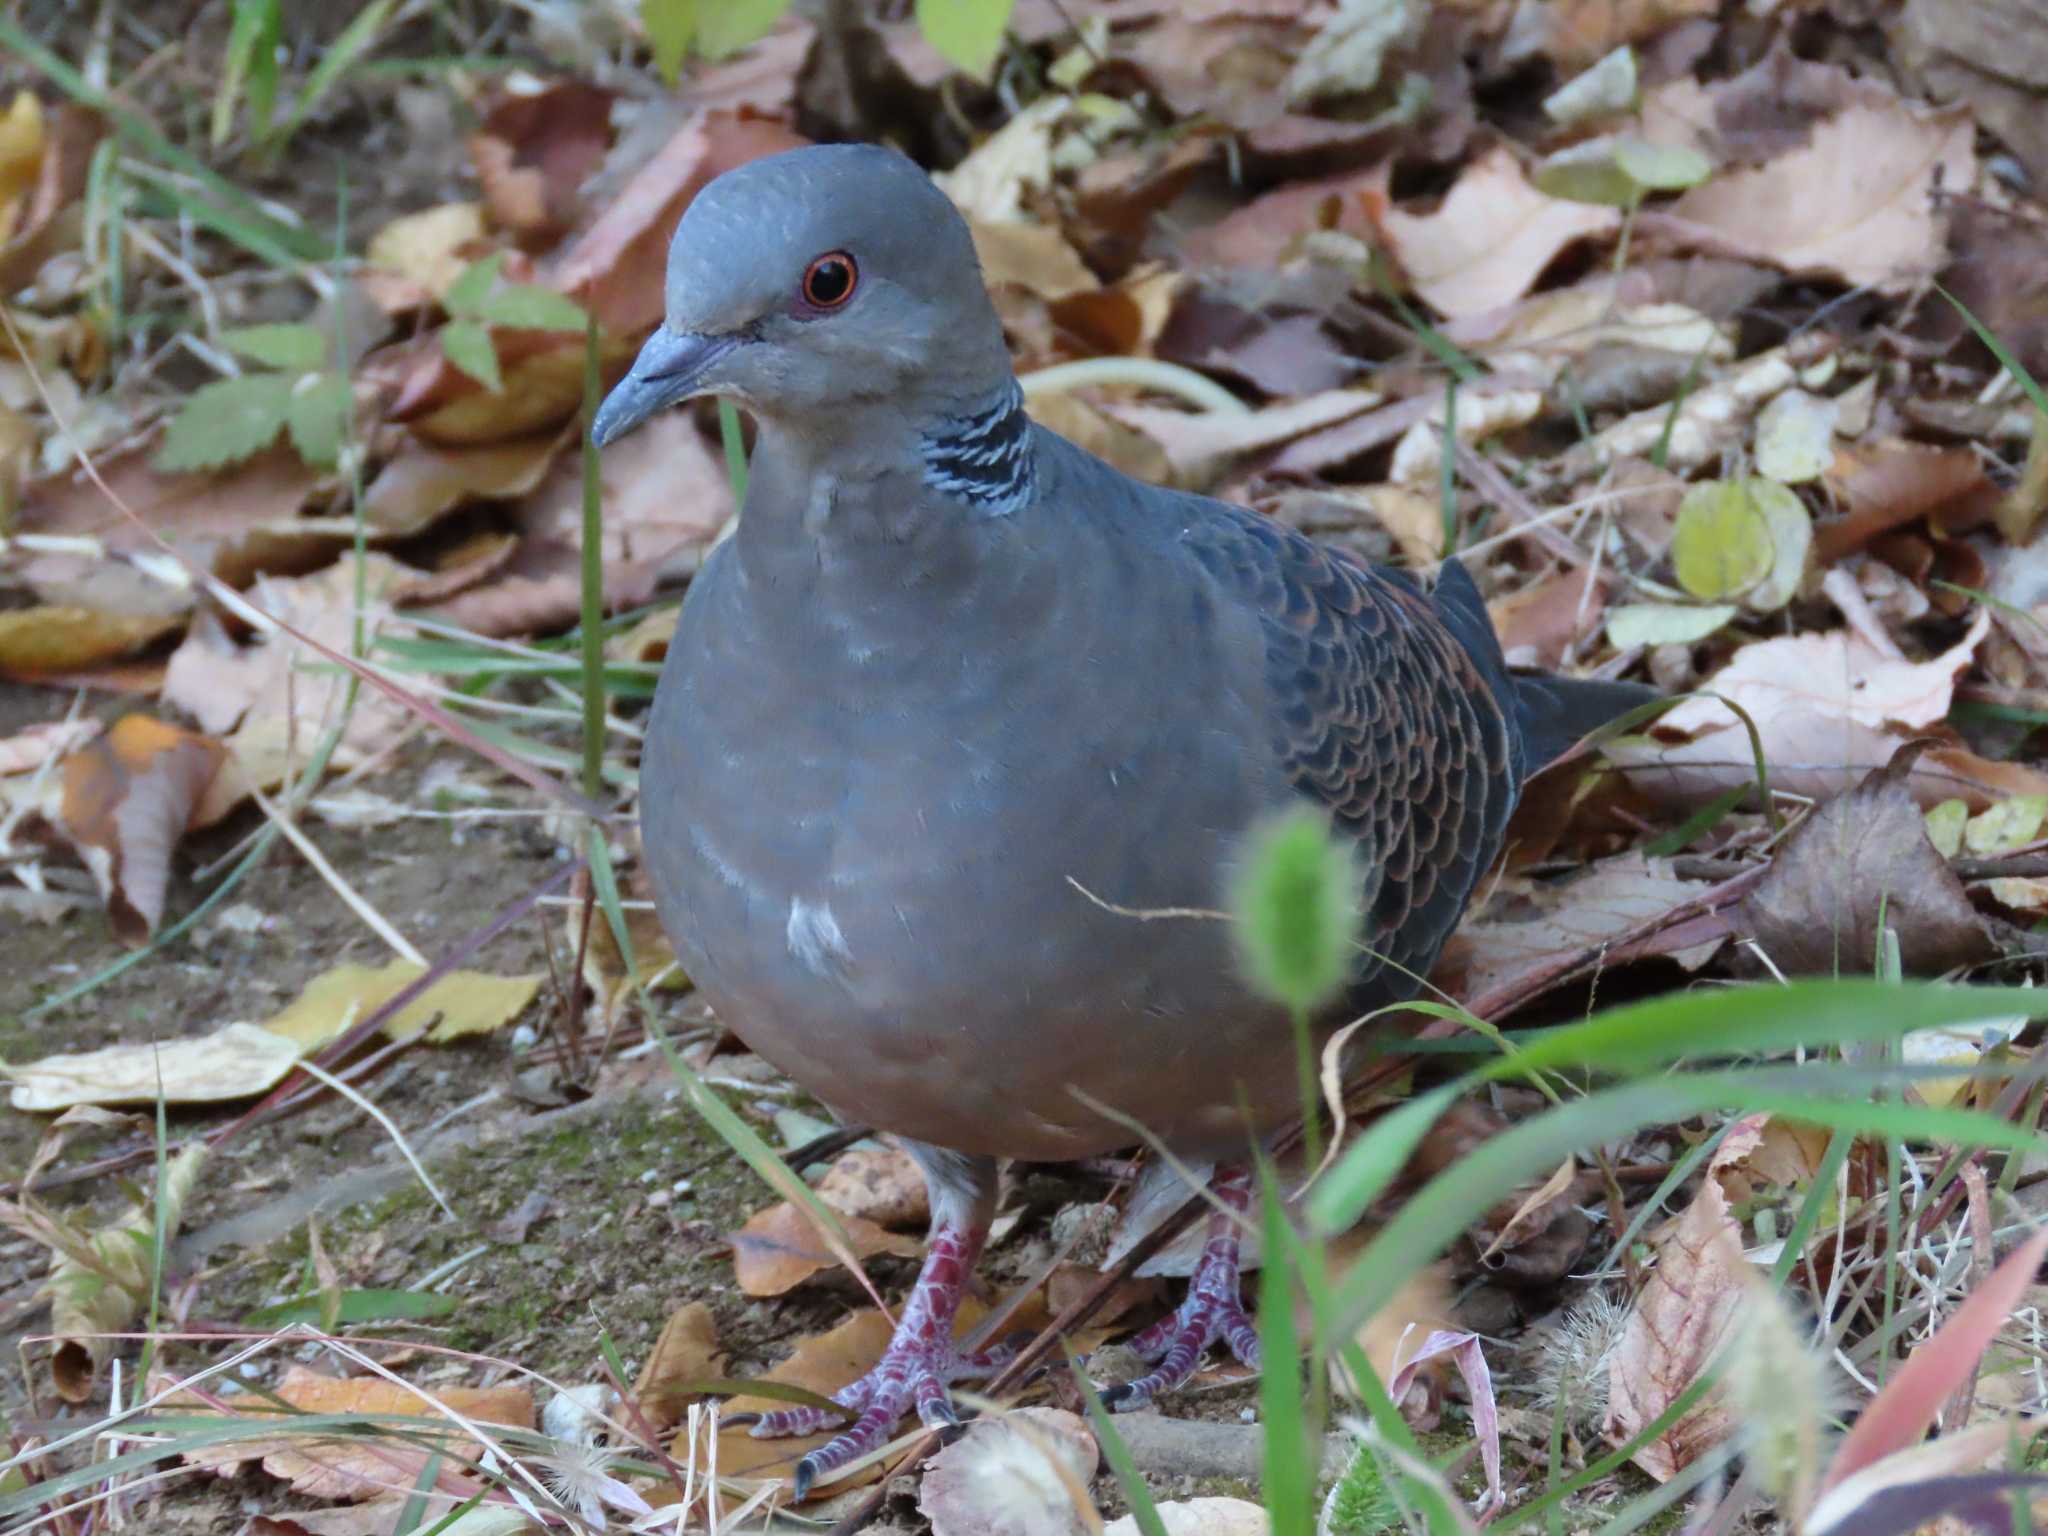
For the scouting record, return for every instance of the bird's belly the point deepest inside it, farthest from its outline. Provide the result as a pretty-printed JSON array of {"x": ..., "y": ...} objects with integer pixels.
[{"x": 923, "y": 934}]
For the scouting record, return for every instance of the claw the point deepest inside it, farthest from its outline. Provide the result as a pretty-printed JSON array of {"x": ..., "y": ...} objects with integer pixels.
[
  {"x": 1211, "y": 1312},
  {"x": 912, "y": 1374}
]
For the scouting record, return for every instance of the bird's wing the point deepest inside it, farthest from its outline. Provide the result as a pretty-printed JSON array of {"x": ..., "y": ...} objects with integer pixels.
[{"x": 1388, "y": 712}]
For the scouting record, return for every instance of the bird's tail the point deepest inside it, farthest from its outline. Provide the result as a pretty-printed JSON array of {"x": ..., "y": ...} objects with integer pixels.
[{"x": 1557, "y": 712}]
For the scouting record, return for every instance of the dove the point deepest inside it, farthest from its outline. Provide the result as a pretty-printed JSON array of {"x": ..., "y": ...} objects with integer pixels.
[{"x": 958, "y": 702}]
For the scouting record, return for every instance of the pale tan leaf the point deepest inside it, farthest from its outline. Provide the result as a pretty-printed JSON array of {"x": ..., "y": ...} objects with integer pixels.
[
  {"x": 1674, "y": 1328},
  {"x": 1491, "y": 238}
]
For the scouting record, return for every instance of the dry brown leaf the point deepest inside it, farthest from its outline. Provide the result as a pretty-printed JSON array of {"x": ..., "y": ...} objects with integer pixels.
[
  {"x": 420, "y": 482},
  {"x": 128, "y": 797},
  {"x": 38, "y": 200},
  {"x": 1268, "y": 230},
  {"x": 1674, "y": 1328},
  {"x": 1861, "y": 857},
  {"x": 780, "y": 1247},
  {"x": 880, "y": 1184},
  {"x": 1764, "y": 1152},
  {"x": 1527, "y": 927},
  {"x": 411, "y": 261},
  {"x": 1577, "y": 32},
  {"x": 1195, "y": 441},
  {"x": 237, "y": 1062},
  {"x": 359, "y": 1467},
  {"x": 1079, "y": 422},
  {"x": 534, "y": 150},
  {"x": 1032, "y": 256},
  {"x": 1883, "y": 484},
  {"x": 266, "y": 697},
  {"x": 616, "y": 267},
  {"x": 1992, "y": 54},
  {"x": 1829, "y": 708},
  {"x": 666, "y": 497},
  {"x": 37, "y": 642},
  {"x": 1865, "y": 186},
  {"x": 1543, "y": 624},
  {"x": 1491, "y": 237},
  {"x": 235, "y": 522},
  {"x": 686, "y": 1351},
  {"x": 1021, "y": 1473}
]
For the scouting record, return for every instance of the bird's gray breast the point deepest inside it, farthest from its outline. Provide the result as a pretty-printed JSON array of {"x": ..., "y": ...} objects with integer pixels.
[{"x": 893, "y": 872}]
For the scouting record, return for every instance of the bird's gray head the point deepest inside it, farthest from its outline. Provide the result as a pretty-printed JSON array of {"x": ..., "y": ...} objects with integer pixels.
[{"x": 809, "y": 283}]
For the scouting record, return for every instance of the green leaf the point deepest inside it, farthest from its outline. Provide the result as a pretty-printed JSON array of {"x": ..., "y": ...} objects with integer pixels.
[
  {"x": 726, "y": 26},
  {"x": 531, "y": 308},
  {"x": 1295, "y": 911},
  {"x": 1661, "y": 167},
  {"x": 669, "y": 25},
  {"x": 251, "y": 60},
  {"x": 465, "y": 296},
  {"x": 294, "y": 348},
  {"x": 227, "y": 420},
  {"x": 968, "y": 34},
  {"x": 1721, "y": 546},
  {"x": 318, "y": 418},
  {"x": 356, "y": 1307},
  {"x": 467, "y": 344}
]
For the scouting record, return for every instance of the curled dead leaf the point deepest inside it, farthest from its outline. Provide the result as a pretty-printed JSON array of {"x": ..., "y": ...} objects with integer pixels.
[{"x": 128, "y": 797}]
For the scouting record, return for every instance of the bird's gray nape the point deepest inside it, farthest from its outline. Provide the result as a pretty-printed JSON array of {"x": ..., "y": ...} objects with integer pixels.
[{"x": 983, "y": 457}]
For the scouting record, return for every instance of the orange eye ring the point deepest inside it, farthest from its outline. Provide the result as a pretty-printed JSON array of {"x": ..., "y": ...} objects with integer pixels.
[{"x": 830, "y": 280}]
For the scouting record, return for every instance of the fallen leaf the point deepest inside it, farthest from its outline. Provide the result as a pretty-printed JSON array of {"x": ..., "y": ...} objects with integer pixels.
[
  {"x": 1988, "y": 53},
  {"x": 236, "y": 1062},
  {"x": 129, "y": 795},
  {"x": 881, "y": 1184},
  {"x": 44, "y": 640},
  {"x": 1865, "y": 186},
  {"x": 534, "y": 150},
  {"x": 1527, "y": 928},
  {"x": 421, "y": 481},
  {"x": 1541, "y": 624},
  {"x": 686, "y": 1351},
  {"x": 32, "y": 746},
  {"x": 99, "y": 1277},
  {"x": 459, "y": 1004},
  {"x": 1079, "y": 422},
  {"x": 1890, "y": 482},
  {"x": 1021, "y": 1473},
  {"x": 779, "y": 1248},
  {"x": 615, "y": 267},
  {"x": 666, "y": 496},
  {"x": 411, "y": 261},
  {"x": 1861, "y": 858},
  {"x": 358, "y": 1467},
  {"x": 1764, "y": 1153},
  {"x": 1491, "y": 237},
  {"x": 271, "y": 701},
  {"x": 1672, "y": 1332},
  {"x": 1829, "y": 707}
]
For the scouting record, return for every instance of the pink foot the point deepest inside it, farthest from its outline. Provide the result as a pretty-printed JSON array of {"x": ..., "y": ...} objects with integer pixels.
[
  {"x": 1212, "y": 1310},
  {"x": 912, "y": 1373}
]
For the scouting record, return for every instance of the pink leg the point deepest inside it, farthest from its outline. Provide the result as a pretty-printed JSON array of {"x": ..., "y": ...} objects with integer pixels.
[
  {"x": 1212, "y": 1310},
  {"x": 921, "y": 1359}
]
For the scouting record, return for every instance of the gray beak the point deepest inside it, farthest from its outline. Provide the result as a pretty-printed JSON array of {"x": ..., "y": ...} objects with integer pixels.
[{"x": 669, "y": 368}]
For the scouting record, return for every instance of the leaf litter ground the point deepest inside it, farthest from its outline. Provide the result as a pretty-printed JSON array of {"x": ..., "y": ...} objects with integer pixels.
[{"x": 1783, "y": 482}]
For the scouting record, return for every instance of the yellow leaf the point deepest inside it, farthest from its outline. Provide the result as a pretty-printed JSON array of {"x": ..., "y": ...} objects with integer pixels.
[{"x": 464, "y": 1002}]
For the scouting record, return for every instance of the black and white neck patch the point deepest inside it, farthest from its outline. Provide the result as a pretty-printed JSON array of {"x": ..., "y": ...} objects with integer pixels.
[{"x": 984, "y": 456}]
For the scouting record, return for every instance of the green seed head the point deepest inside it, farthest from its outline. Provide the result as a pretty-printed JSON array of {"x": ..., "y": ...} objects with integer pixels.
[{"x": 1295, "y": 907}]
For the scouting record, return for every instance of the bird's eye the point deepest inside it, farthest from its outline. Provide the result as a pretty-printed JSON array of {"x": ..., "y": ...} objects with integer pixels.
[{"x": 830, "y": 280}]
